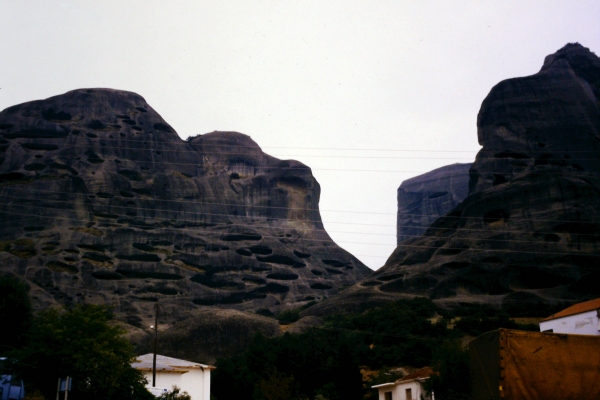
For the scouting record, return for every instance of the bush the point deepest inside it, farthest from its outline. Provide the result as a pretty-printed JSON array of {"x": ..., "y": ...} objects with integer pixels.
[{"x": 175, "y": 394}]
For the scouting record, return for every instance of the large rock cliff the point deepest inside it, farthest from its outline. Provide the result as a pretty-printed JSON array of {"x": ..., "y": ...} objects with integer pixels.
[
  {"x": 528, "y": 233},
  {"x": 102, "y": 202},
  {"x": 425, "y": 198}
]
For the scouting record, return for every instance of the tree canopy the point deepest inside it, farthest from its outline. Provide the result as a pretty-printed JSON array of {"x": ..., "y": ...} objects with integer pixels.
[
  {"x": 82, "y": 344},
  {"x": 15, "y": 313}
]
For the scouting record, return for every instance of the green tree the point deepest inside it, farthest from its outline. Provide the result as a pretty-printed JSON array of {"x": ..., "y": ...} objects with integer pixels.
[
  {"x": 175, "y": 394},
  {"x": 15, "y": 313},
  {"x": 80, "y": 343},
  {"x": 451, "y": 380}
]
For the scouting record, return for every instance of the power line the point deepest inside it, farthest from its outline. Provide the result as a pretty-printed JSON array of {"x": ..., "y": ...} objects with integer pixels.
[
  {"x": 212, "y": 233},
  {"x": 280, "y": 219},
  {"x": 282, "y": 207}
]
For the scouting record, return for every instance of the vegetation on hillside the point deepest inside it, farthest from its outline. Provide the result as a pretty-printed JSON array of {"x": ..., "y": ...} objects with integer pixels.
[{"x": 325, "y": 362}]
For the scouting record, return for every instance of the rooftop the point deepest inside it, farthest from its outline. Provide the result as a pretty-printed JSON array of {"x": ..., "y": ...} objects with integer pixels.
[
  {"x": 167, "y": 364},
  {"x": 419, "y": 374},
  {"x": 576, "y": 309}
]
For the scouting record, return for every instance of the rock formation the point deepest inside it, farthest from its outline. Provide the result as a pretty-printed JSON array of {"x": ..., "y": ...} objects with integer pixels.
[
  {"x": 103, "y": 203},
  {"x": 425, "y": 198},
  {"x": 528, "y": 233}
]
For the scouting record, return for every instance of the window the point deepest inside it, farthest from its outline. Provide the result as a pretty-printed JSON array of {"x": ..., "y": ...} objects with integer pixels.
[
  {"x": 409, "y": 394},
  {"x": 388, "y": 395}
]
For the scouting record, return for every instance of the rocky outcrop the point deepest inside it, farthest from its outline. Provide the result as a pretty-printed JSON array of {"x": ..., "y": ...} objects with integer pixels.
[
  {"x": 103, "y": 203},
  {"x": 425, "y": 198},
  {"x": 528, "y": 233}
]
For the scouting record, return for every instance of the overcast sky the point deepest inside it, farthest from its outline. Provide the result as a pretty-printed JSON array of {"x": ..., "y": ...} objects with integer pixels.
[{"x": 366, "y": 93}]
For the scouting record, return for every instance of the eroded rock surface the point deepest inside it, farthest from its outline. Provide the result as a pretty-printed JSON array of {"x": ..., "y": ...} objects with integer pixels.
[
  {"x": 103, "y": 203},
  {"x": 425, "y": 198},
  {"x": 528, "y": 233}
]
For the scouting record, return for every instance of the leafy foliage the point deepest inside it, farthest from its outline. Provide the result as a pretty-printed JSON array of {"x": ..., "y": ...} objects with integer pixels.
[
  {"x": 452, "y": 379},
  {"x": 80, "y": 343},
  {"x": 15, "y": 313},
  {"x": 293, "y": 367},
  {"x": 324, "y": 362},
  {"x": 175, "y": 394}
]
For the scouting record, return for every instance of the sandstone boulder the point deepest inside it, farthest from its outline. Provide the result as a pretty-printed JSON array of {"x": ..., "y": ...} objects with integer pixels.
[
  {"x": 528, "y": 233},
  {"x": 425, "y": 198},
  {"x": 102, "y": 202}
]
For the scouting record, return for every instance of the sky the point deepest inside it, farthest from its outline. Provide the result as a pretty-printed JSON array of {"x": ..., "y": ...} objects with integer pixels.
[{"x": 366, "y": 93}]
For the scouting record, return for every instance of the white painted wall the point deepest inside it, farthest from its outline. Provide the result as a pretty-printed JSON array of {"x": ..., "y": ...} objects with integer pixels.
[
  {"x": 399, "y": 391},
  {"x": 580, "y": 324},
  {"x": 196, "y": 382}
]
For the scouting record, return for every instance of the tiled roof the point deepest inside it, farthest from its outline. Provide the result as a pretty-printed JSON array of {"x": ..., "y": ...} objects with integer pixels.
[
  {"x": 420, "y": 373},
  {"x": 166, "y": 364},
  {"x": 576, "y": 309}
]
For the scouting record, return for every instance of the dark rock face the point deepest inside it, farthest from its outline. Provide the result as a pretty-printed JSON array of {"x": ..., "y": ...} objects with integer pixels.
[
  {"x": 103, "y": 203},
  {"x": 529, "y": 232},
  {"x": 425, "y": 198}
]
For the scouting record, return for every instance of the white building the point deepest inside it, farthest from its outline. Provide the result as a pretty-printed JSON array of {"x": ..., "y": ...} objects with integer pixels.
[
  {"x": 189, "y": 376},
  {"x": 409, "y": 387},
  {"x": 580, "y": 319}
]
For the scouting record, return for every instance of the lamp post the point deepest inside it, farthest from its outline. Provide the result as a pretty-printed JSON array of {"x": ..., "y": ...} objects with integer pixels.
[{"x": 155, "y": 340}]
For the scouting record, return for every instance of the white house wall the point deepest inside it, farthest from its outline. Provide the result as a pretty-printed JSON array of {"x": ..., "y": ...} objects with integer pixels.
[
  {"x": 196, "y": 382},
  {"x": 399, "y": 391},
  {"x": 578, "y": 324}
]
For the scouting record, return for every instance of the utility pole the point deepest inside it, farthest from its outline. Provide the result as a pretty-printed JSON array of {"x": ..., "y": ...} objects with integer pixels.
[{"x": 155, "y": 340}]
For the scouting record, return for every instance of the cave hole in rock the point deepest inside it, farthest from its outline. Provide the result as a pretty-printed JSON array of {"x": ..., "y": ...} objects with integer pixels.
[
  {"x": 59, "y": 266},
  {"x": 450, "y": 251},
  {"x": 143, "y": 246},
  {"x": 495, "y": 215},
  {"x": 334, "y": 263},
  {"x": 301, "y": 254},
  {"x": 254, "y": 279},
  {"x": 390, "y": 277},
  {"x": 261, "y": 250},
  {"x": 96, "y": 124},
  {"x": 36, "y": 167},
  {"x": 280, "y": 259},
  {"x": 244, "y": 252},
  {"x": 499, "y": 179},
  {"x": 435, "y": 195},
  {"x": 551, "y": 238},
  {"x": 273, "y": 288},
  {"x": 140, "y": 274},
  {"x": 99, "y": 257},
  {"x": 261, "y": 268},
  {"x": 320, "y": 286},
  {"x": 393, "y": 286},
  {"x": 138, "y": 257},
  {"x": 39, "y": 146},
  {"x": 316, "y": 272},
  {"x": 371, "y": 283},
  {"x": 236, "y": 237},
  {"x": 107, "y": 275},
  {"x": 283, "y": 276},
  {"x": 334, "y": 271}
]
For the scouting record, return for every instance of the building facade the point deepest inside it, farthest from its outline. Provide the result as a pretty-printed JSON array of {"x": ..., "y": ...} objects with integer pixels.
[
  {"x": 409, "y": 387},
  {"x": 190, "y": 377},
  {"x": 579, "y": 319}
]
